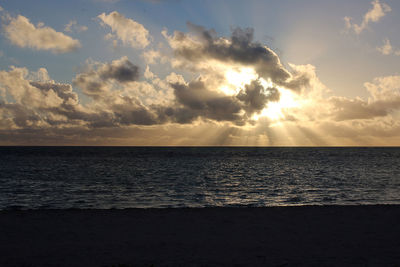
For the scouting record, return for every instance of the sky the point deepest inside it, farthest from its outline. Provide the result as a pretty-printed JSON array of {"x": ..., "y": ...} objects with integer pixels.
[{"x": 200, "y": 73}]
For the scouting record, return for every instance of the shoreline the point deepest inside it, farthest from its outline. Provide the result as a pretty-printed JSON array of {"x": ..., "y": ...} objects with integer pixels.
[
  {"x": 21, "y": 209},
  {"x": 334, "y": 235}
]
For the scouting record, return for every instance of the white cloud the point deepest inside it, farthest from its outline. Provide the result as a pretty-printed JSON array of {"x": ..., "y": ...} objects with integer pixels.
[
  {"x": 385, "y": 88},
  {"x": 24, "y": 93},
  {"x": 151, "y": 56},
  {"x": 128, "y": 31},
  {"x": 73, "y": 26},
  {"x": 21, "y": 32},
  {"x": 387, "y": 48},
  {"x": 378, "y": 11}
]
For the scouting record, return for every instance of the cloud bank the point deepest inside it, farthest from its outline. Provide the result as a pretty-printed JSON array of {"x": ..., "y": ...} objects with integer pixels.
[{"x": 222, "y": 90}]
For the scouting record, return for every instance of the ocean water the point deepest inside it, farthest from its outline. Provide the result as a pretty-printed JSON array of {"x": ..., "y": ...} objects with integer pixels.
[{"x": 160, "y": 177}]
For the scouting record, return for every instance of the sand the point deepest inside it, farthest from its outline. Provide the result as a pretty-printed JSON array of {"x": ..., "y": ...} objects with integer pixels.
[{"x": 280, "y": 236}]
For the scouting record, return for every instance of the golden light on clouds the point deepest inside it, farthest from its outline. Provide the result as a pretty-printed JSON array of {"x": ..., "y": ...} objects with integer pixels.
[
  {"x": 275, "y": 110},
  {"x": 193, "y": 87},
  {"x": 237, "y": 79}
]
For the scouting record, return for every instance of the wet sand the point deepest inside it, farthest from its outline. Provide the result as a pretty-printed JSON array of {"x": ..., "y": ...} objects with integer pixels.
[{"x": 279, "y": 236}]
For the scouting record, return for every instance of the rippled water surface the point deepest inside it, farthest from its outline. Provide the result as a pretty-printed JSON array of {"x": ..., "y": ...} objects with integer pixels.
[{"x": 137, "y": 177}]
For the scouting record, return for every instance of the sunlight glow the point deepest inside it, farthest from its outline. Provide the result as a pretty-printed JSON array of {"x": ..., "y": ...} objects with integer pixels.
[
  {"x": 275, "y": 110},
  {"x": 237, "y": 79}
]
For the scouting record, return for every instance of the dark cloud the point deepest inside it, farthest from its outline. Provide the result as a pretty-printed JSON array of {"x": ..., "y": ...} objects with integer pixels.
[
  {"x": 181, "y": 115},
  {"x": 122, "y": 71},
  {"x": 194, "y": 100},
  {"x": 239, "y": 49},
  {"x": 110, "y": 85},
  {"x": 64, "y": 91},
  {"x": 130, "y": 111},
  {"x": 198, "y": 101},
  {"x": 20, "y": 115},
  {"x": 91, "y": 84},
  {"x": 47, "y": 104},
  {"x": 228, "y": 91},
  {"x": 94, "y": 82},
  {"x": 255, "y": 97}
]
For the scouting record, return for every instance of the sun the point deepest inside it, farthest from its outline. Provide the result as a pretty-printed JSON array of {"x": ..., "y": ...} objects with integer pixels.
[
  {"x": 237, "y": 79},
  {"x": 276, "y": 110}
]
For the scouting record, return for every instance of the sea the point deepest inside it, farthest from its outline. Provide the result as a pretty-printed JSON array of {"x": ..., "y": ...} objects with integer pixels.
[{"x": 179, "y": 177}]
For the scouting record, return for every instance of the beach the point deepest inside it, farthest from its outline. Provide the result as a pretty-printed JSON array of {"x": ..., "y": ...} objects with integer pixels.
[{"x": 275, "y": 236}]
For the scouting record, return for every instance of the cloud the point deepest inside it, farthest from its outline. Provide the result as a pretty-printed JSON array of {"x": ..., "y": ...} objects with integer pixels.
[
  {"x": 387, "y": 48},
  {"x": 128, "y": 31},
  {"x": 47, "y": 112},
  {"x": 377, "y": 12},
  {"x": 21, "y": 32},
  {"x": 35, "y": 103},
  {"x": 195, "y": 100},
  {"x": 73, "y": 26},
  {"x": 94, "y": 82},
  {"x": 121, "y": 70},
  {"x": 351, "y": 109},
  {"x": 110, "y": 86},
  {"x": 201, "y": 48},
  {"x": 120, "y": 99},
  {"x": 223, "y": 96},
  {"x": 45, "y": 104},
  {"x": 255, "y": 97},
  {"x": 63, "y": 91},
  {"x": 198, "y": 101},
  {"x": 151, "y": 56},
  {"x": 24, "y": 93},
  {"x": 384, "y": 99}
]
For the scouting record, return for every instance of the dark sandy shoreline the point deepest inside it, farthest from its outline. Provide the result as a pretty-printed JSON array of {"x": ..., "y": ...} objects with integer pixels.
[{"x": 279, "y": 236}]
